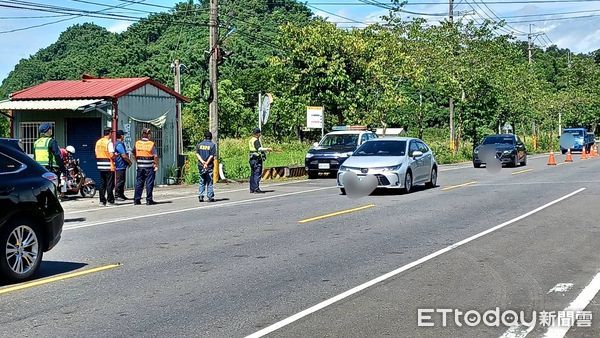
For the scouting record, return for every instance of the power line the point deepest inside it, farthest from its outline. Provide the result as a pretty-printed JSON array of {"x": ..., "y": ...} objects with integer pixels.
[{"x": 334, "y": 14}]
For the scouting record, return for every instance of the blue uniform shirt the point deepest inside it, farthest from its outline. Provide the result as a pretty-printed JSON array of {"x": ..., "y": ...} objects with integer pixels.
[
  {"x": 120, "y": 164},
  {"x": 206, "y": 149}
]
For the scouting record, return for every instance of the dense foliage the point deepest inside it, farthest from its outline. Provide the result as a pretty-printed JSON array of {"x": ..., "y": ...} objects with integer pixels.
[{"x": 398, "y": 74}]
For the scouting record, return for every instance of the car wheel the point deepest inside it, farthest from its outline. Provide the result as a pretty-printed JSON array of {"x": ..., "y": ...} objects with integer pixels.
[
  {"x": 524, "y": 163},
  {"x": 433, "y": 179},
  {"x": 21, "y": 250},
  {"x": 343, "y": 191},
  {"x": 88, "y": 191},
  {"x": 408, "y": 182},
  {"x": 313, "y": 174},
  {"x": 563, "y": 151},
  {"x": 476, "y": 165}
]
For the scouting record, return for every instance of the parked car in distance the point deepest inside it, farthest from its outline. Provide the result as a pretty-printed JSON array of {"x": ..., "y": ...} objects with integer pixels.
[
  {"x": 396, "y": 162},
  {"x": 582, "y": 139},
  {"x": 507, "y": 148},
  {"x": 32, "y": 218},
  {"x": 334, "y": 148}
]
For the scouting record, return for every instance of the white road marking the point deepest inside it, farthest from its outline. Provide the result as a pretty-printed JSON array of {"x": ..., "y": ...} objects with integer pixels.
[
  {"x": 388, "y": 275},
  {"x": 216, "y": 205},
  {"x": 561, "y": 287},
  {"x": 517, "y": 331},
  {"x": 180, "y": 197},
  {"x": 579, "y": 304}
]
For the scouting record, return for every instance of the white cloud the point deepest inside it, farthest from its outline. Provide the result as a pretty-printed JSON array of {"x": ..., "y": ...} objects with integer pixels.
[{"x": 119, "y": 27}]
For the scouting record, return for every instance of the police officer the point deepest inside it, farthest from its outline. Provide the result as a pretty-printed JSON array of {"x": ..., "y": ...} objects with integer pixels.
[
  {"x": 146, "y": 159},
  {"x": 105, "y": 155},
  {"x": 46, "y": 151},
  {"x": 122, "y": 162},
  {"x": 257, "y": 156},
  {"x": 206, "y": 152}
]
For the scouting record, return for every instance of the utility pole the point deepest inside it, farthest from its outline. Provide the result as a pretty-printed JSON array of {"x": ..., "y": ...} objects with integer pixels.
[
  {"x": 177, "y": 85},
  {"x": 451, "y": 101},
  {"x": 214, "y": 78},
  {"x": 530, "y": 44}
]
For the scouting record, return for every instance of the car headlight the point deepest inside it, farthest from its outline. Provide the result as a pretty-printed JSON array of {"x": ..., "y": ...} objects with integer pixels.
[
  {"x": 507, "y": 152},
  {"x": 392, "y": 168},
  {"x": 342, "y": 168},
  {"x": 309, "y": 155}
]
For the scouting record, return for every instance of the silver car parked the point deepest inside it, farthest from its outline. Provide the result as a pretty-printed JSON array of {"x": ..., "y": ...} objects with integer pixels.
[{"x": 397, "y": 163}]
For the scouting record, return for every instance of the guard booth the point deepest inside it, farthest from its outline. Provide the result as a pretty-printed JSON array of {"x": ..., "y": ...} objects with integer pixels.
[{"x": 79, "y": 110}]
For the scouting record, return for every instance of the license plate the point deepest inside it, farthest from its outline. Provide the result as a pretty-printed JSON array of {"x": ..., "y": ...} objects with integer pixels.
[{"x": 324, "y": 166}]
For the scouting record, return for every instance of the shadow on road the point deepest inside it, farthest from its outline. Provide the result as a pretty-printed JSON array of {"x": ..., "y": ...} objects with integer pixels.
[
  {"x": 79, "y": 219},
  {"x": 52, "y": 268}
]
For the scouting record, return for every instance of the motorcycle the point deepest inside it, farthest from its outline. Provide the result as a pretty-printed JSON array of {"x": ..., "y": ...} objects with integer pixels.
[{"x": 76, "y": 181}]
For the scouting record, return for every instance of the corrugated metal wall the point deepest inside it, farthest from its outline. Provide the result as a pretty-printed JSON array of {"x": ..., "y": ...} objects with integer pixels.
[{"x": 148, "y": 103}]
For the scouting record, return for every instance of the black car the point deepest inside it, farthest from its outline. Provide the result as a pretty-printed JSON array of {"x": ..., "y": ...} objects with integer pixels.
[
  {"x": 328, "y": 155},
  {"x": 31, "y": 217},
  {"x": 507, "y": 148}
]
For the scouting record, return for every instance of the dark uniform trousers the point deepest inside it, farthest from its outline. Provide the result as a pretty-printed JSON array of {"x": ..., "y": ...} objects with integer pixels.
[
  {"x": 144, "y": 175},
  {"x": 120, "y": 188},
  {"x": 107, "y": 186},
  {"x": 256, "y": 168}
]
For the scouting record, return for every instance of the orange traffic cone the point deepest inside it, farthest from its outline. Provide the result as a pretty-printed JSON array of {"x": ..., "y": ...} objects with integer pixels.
[
  {"x": 583, "y": 154},
  {"x": 551, "y": 159},
  {"x": 569, "y": 157}
]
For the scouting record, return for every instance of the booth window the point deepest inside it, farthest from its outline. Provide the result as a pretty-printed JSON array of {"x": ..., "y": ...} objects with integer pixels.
[{"x": 29, "y": 133}]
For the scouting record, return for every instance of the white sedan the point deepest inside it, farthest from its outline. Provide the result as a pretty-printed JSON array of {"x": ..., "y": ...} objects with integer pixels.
[{"x": 397, "y": 163}]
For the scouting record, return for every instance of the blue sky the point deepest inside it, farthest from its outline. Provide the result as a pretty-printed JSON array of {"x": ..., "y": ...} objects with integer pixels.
[{"x": 579, "y": 34}]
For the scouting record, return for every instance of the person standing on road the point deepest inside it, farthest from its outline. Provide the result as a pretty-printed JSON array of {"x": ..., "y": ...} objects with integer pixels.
[
  {"x": 206, "y": 152},
  {"x": 46, "y": 151},
  {"x": 257, "y": 156},
  {"x": 122, "y": 162},
  {"x": 146, "y": 158},
  {"x": 105, "y": 156}
]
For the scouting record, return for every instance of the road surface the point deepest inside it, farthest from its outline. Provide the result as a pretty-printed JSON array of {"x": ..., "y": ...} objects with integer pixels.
[{"x": 305, "y": 261}]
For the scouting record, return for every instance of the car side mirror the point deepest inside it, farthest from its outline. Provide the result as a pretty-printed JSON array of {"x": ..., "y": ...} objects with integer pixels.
[
  {"x": 417, "y": 153},
  {"x": 316, "y": 144}
]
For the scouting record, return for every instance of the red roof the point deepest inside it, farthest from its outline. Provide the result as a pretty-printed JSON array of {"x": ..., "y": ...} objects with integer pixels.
[{"x": 89, "y": 88}]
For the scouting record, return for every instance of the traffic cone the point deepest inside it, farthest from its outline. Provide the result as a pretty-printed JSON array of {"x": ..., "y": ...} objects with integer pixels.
[
  {"x": 583, "y": 154},
  {"x": 569, "y": 157},
  {"x": 551, "y": 159},
  {"x": 595, "y": 151}
]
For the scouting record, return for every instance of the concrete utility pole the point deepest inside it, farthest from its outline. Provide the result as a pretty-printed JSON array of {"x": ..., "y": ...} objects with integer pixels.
[
  {"x": 451, "y": 101},
  {"x": 213, "y": 115},
  {"x": 177, "y": 86},
  {"x": 213, "y": 69}
]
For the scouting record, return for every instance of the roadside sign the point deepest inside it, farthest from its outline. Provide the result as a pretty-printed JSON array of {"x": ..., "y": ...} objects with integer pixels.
[{"x": 314, "y": 117}]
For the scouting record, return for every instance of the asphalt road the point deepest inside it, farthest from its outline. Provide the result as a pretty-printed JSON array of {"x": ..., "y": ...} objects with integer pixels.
[{"x": 305, "y": 261}]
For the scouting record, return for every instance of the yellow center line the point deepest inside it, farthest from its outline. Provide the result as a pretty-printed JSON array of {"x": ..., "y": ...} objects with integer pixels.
[
  {"x": 337, "y": 213},
  {"x": 458, "y": 186},
  {"x": 522, "y": 171},
  {"x": 47, "y": 280}
]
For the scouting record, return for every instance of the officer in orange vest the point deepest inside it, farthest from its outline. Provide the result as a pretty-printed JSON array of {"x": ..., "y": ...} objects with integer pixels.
[
  {"x": 146, "y": 159},
  {"x": 105, "y": 155}
]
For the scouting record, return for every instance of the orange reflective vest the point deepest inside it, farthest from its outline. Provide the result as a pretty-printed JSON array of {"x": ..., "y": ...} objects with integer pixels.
[
  {"x": 144, "y": 156},
  {"x": 103, "y": 157}
]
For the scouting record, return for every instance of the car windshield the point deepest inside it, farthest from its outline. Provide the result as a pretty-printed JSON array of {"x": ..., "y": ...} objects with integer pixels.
[
  {"x": 382, "y": 148},
  {"x": 339, "y": 140},
  {"x": 574, "y": 132},
  {"x": 499, "y": 140}
]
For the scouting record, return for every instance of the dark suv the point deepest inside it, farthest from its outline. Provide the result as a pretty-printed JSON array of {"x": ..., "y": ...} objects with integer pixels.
[
  {"x": 506, "y": 148},
  {"x": 31, "y": 217}
]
